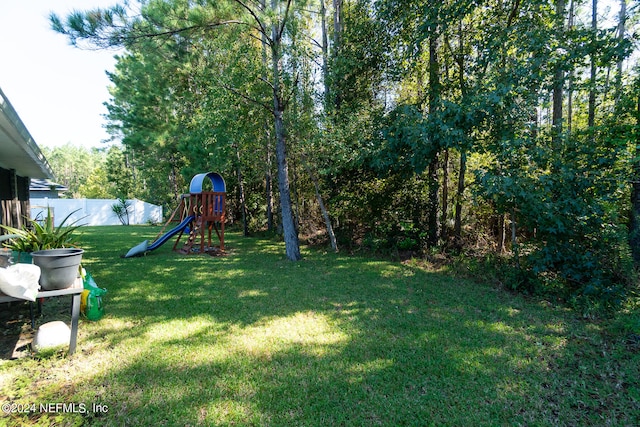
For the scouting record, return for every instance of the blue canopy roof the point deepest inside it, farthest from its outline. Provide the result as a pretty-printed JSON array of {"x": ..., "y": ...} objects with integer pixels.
[{"x": 217, "y": 182}]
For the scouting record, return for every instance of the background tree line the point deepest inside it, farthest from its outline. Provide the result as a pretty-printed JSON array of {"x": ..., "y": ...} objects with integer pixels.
[
  {"x": 94, "y": 173},
  {"x": 469, "y": 127}
]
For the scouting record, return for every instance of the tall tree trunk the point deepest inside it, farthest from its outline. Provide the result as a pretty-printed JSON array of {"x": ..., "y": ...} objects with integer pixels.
[
  {"x": 457, "y": 227},
  {"x": 337, "y": 23},
  {"x": 241, "y": 194},
  {"x": 432, "y": 218},
  {"x": 591, "y": 120},
  {"x": 268, "y": 176},
  {"x": 292, "y": 244},
  {"x": 514, "y": 239},
  {"x": 323, "y": 209},
  {"x": 622, "y": 19},
  {"x": 327, "y": 219},
  {"x": 337, "y": 38},
  {"x": 268, "y": 183},
  {"x": 634, "y": 226},
  {"x": 325, "y": 56},
  {"x": 502, "y": 235},
  {"x": 556, "y": 120},
  {"x": 434, "y": 99},
  {"x": 295, "y": 195},
  {"x": 444, "y": 232},
  {"x": 327, "y": 109},
  {"x": 291, "y": 241},
  {"x": 571, "y": 74}
]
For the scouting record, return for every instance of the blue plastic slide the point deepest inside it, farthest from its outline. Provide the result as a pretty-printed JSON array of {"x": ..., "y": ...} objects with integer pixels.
[{"x": 145, "y": 246}]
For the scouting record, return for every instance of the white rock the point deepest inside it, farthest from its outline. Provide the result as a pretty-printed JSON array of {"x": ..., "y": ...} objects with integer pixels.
[{"x": 51, "y": 334}]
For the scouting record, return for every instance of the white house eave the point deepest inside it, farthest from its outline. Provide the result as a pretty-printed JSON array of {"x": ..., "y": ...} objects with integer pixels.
[{"x": 18, "y": 150}]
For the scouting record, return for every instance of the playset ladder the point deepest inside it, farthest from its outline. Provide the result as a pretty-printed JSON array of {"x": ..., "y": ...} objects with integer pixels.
[{"x": 193, "y": 234}]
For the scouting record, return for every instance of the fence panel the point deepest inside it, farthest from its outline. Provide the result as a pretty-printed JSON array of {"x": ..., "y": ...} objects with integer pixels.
[{"x": 94, "y": 211}]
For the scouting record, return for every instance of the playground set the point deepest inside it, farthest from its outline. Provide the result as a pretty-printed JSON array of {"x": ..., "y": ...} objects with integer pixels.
[{"x": 201, "y": 212}]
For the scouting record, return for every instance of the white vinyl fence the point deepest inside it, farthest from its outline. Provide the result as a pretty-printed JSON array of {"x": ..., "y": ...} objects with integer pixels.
[{"x": 94, "y": 211}]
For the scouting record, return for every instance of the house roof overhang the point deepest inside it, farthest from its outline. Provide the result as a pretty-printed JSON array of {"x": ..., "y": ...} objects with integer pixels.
[
  {"x": 38, "y": 184},
  {"x": 18, "y": 150}
]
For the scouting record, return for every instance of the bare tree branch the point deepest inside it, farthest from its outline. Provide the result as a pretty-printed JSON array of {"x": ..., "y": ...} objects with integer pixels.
[
  {"x": 284, "y": 20},
  {"x": 259, "y": 22},
  {"x": 172, "y": 32},
  {"x": 270, "y": 84},
  {"x": 246, "y": 97}
]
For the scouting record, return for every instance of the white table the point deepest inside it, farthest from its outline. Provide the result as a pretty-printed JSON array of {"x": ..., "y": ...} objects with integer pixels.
[{"x": 74, "y": 290}]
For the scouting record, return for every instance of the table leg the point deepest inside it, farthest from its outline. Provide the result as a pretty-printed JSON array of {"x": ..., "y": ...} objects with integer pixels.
[
  {"x": 33, "y": 317},
  {"x": 32, "y": 314},
  {"x": 75, "y": 315}
]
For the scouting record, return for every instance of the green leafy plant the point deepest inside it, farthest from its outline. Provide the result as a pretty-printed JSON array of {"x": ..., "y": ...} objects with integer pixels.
[
  {"x": 121, "y": 209},
  {"x": 43, "y": 234}
]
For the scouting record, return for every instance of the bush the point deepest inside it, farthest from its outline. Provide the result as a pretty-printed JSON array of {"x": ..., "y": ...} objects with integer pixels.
[
  {"x": 121, "y": 209},
  {"x": 568, "y": 213}
]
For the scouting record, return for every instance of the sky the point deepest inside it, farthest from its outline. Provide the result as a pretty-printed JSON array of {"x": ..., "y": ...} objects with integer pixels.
[{"x": 57, "y": 90}]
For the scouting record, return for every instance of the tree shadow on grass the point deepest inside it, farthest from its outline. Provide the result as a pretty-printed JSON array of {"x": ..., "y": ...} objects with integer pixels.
[
  {"x": 337, "y": 362},
  {"x": 401, "y": 335},
  {"x": 252, "y": 339}
]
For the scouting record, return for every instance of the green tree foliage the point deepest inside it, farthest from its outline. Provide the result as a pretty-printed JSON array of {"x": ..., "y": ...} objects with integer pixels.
[
  {"x": 97, "y": 185},
  {"x": 119, "y": 174},
  {"x": 489, "y": 98},
  {"x": 173, "y": 28},
  {"x": 457, "y": 125},
  {"x": 73, "y": 166},
  {"x": 93, "y": 173}
]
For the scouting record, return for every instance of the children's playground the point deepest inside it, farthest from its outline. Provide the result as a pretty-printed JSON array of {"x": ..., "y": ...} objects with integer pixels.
[{"x": 201, "y": 212}]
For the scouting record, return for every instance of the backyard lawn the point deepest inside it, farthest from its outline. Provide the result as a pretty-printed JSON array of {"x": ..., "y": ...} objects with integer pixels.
[{"x": 253, "y": 339}]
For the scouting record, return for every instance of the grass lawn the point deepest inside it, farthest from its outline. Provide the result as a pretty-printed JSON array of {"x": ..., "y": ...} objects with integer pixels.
[{"x": 253, "y": 339}]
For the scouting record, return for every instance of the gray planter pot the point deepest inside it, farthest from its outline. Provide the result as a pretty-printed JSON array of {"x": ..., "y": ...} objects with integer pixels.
[{"x": 59, "y": 268}]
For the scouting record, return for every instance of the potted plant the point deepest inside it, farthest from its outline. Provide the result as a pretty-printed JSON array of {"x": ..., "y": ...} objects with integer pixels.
[
  {"x": 52, "y": 249},
  {"x": 39, "y": 234}
]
